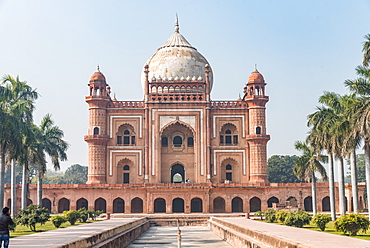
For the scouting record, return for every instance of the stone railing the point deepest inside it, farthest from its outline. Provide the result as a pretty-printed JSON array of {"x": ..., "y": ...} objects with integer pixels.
[
  {"x": 126, "y": 104},
  {"x": 228, "y": 104}
]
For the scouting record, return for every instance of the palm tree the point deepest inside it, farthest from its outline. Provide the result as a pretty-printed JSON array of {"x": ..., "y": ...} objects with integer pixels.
[
  {"x": 16, "y": 107},
  {"x": 366, "y": 50},
  {"x": 306, "y": 166},
  {"x": 320, "y": 139},
  {"x": 343, "y": 140},
  {"x": 361, "y": 114},
  {"x": 52, "y": 143}
]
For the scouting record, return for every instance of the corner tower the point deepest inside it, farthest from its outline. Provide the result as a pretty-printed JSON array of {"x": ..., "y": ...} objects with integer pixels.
[
  {"x": 254, "y": 95},
  {"x": 97, "y": 137}
]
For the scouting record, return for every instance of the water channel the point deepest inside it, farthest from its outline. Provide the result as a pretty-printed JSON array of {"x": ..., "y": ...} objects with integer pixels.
[{"x": 191, "y": 236}]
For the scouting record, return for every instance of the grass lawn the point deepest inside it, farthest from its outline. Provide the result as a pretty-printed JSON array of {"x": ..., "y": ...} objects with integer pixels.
[
  {"x": 331, "y": 229},
  {"x": 24, "y": 230}
]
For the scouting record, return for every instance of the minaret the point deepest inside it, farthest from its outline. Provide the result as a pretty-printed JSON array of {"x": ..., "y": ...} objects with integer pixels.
[
  {"x": 97, "y": 137},
  {"x": 254, "y": 95}
]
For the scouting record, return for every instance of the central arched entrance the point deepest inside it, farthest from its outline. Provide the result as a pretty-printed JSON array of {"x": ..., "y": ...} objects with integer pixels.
[
  {"x": 177, "y": 205},
  {"x": 177, "y": 173}
]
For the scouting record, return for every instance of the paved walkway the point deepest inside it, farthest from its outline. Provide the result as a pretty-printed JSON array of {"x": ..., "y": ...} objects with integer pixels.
[
  {"x": 304, "y": 237},
  {"x": 191, "y": 236},
  {"x": 58, "y": 237}
]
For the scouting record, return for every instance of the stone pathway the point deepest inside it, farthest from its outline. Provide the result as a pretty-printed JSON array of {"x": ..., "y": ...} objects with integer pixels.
[
  {"x": 63, "y": 236},
  {"x": 192, "y": 236}
]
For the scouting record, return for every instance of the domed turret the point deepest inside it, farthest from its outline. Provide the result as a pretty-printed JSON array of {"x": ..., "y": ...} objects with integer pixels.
[
  {"x": 97, "y": 76},
  {"x": 256, "y": 78},
  {"x": 177, "y": 59}
]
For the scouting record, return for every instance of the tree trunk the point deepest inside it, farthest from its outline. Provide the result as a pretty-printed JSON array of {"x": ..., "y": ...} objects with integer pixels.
[
  {"x": 24, "y": 186},
  {"x": 2, "y": 170},
  {"x": 367, "y": 172},
  {"x": 314, "y": 201},
  {"x": 354, "y": 181},
  {"x": 13, "y": 189},
  {"x": 39, "y": 186},
  {"x": 332, "y": 187},
  {"x": 342, "y": 196}
]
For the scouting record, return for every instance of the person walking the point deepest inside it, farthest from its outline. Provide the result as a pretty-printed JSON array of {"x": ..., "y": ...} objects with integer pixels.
[{"x": 5, "y": 222}]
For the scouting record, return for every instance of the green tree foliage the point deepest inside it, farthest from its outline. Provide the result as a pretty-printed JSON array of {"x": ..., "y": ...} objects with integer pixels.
[
  {"x": 93, "y": 214},
  {"x": 281, "y": 215},
  {"x": 270, "y": 215},
  {"x": 320, "y": 220},
  {"x": 352, "y": 224},
  {"x": 297, "y": 219},
  {"x": 280, "y": 169},
  {"x": 58, "y": 220},
  {"x": 71, "y": 216},
  {"x": 32, "y": 215},
  {"x": 84, "y": 214},
  {"x": 75, "y": 174}
]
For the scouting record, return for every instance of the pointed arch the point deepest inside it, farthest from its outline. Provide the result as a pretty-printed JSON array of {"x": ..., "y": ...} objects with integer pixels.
[
  {"x": 237, "y": 205},
  {"x": 82, "y": 203},
  {"x": 118, "y": 205},
  {"x": 255, "y": 204}
]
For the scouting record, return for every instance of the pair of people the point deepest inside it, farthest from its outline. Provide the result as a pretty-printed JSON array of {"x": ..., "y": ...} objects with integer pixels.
[{"x": 5, "y": 222}]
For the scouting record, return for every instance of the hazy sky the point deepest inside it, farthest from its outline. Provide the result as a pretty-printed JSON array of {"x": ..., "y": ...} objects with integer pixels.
[{"x": 301, "y": 47}]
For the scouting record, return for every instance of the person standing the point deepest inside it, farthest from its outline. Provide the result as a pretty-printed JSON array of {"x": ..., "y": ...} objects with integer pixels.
[{"x": 5, "y": 222}]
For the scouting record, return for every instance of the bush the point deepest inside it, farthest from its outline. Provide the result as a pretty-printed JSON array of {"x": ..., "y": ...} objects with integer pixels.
[
  {"x": 58, "y": 220},
  {"x": 93, "y": 214},
  {"x": 270, "y": 215},
  {"x": 352, "y": 224},
  {"x": 281, "y": 215},
  {"x": 71, "y": 216},
  {"x": 320, "y": 220},
  {"x": 32, "y": 215},
  {"x": 84, "y": 215},
  {"x": 297, "y": 219},
  {"x": 259, "y": 214}
]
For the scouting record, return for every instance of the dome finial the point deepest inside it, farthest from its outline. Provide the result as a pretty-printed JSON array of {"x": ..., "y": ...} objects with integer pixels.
[
  {"x": 177, "y": 27},
  {"x": 255, "y": 68},
  {"x": 98, "y": 68}
]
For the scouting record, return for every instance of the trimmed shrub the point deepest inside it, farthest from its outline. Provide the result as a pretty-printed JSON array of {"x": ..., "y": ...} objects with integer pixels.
[
  {"x": 352, "y": 224},
  {"x": 297, "y": 219},
  {"x": 84, "y": 215},
  {"x": 93, "y": 214},
  {"x": 270, "y": 215},
  {"x": 281, "y": 215},
  {"x": 32, "y": 215},
  {"x": 71, "y": 216},
  {"x": 58, "y": 220},
  {"x": 259, "y": 214},
  {"x": 320, "y": 220}
]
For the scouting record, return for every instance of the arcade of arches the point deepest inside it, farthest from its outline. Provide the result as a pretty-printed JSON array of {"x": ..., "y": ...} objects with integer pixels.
[{"x": 237, "y": 203}]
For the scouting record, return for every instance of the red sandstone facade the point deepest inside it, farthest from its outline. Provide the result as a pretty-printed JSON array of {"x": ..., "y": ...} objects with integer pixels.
[{"x": 177, "y": 150}]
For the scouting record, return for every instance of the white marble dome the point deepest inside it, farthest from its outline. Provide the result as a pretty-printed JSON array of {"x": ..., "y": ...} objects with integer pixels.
[{"x": 177, "y": 59}]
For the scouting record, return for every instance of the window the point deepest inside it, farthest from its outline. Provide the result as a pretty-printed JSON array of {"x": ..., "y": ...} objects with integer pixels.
[
  {"x": 119, "y": 140},
  {"x": 164, "y": 141},
  {"x": 96, "y": 130},
  {"x": 126, "y": 174},
  {"x": 228, "y": 135},
  {"x": 126, "y": 135},
  {"x": 190, "y": 142},
  {"x": 229, "y": 173},
  {"x": 177, "y": 141},
  {"x": 258, "y": 130}
]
